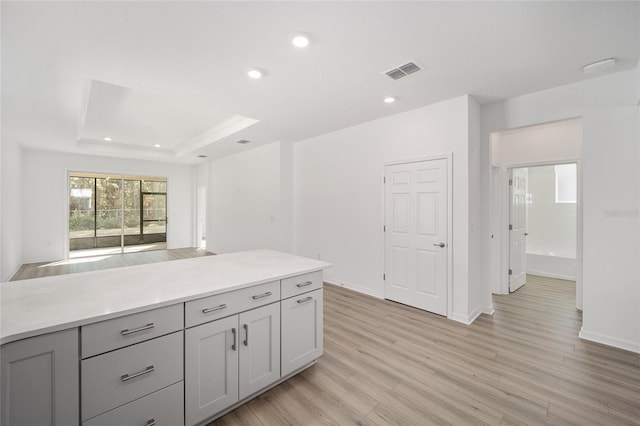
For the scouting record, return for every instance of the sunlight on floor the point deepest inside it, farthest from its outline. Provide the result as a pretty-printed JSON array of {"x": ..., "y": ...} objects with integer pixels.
[
  {"x": 116, "y": 250},
  {"x": 75, "y": 261}
]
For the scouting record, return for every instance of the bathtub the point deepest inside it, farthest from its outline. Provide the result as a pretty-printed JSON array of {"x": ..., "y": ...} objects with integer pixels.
[{"x": 552, "y": 265}]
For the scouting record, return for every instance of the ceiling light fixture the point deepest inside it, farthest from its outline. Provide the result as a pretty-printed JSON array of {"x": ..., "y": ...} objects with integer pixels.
[
  {"x": 300, "y": 40},
  {"x": 254, "y": 73},
  {"x": 599, "y": 66},
  {"x": 243, "y": 141},
  {"x": 108, "y": 139},
  {"x": 389, "y": 100},
  {"x": 157, "y": 145}
]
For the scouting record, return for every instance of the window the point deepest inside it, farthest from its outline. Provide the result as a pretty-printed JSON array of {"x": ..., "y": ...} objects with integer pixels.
[
  {"x": 566, "y": 183},
  {"x": 116, "y": 211}
]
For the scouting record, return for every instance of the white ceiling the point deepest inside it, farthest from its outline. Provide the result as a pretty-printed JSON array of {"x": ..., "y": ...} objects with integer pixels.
[{"x": 173, "y": 73}]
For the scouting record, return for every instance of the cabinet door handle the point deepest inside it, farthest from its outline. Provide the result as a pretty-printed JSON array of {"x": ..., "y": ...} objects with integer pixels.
[
  {"x": 147, "y": 370},
  {"x": 306, "y": 299},
  {"x": 260, "y": 296},
  {"x": 151, "y": 422},
  {"x": 235, "y": 338},
  {"x": 135, "y": 330},
  {"x": 304, "y": 284},
  {"x": 215, "y": 308},
  {"x": 246, "y": 334}
]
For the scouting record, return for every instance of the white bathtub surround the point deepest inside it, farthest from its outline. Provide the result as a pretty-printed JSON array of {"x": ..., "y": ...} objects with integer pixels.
[{"x": 552, "y": 265}]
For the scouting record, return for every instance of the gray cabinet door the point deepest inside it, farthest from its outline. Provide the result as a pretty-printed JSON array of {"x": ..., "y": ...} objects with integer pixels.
[
  {"x": 211, "y": 368},
  {"x": 301, "y": 330},
  {"x": 40, "y": 383},
  {"x": 259, "y": 348}
]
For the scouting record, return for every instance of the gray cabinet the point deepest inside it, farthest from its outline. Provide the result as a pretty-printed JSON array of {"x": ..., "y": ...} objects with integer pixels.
[
  {"x": 40, "y": 384},
  {"x": 301, "y": 330},
  {"x": 188, "y": 361},
  {"x": 230, "y": 359},
  {"x": 211, "y": 368},
  {"x": 260, "y": 349},
  {"x": 164, "y": 407},
  {"x": 118, "y": 377}
]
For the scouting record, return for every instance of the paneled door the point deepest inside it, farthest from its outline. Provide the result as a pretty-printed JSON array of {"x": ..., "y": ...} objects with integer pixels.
[
  {"x": 518, "y": 229},
  {"x": 416, "y": 234}
]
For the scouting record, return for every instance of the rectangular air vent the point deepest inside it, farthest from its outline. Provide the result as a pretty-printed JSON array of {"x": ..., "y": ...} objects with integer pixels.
[{"x": 403, "y": 71}]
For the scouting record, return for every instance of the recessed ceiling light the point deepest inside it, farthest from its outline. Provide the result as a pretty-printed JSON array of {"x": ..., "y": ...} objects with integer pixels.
[
  {"x": 202, "y": 156},
  {"x": 599, "y": 66},
  {"x": 243, "y": 141},
  {"x": 108, "y": 139},
  {"x": 157, "y": 145},
  {"x": 254, "y": 73},
  {"x": 300, "y": 40},
  {"x": 389, "y": 100}
]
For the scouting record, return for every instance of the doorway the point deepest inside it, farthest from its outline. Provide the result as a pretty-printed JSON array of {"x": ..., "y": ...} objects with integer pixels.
[
  {"x": 416, "y": 233},
  {"x": 110, "y": 214},
  {"x": 547, "y": 144},
  {"x": 542, "y": 223}
]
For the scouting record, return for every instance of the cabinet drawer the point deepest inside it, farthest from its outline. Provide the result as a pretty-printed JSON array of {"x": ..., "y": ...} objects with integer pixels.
[
  {"x": 301, "y": 284},
  {"x": 225, "y": 304},
  {"x": 164, "y": 407},
  {"x": 118, "y": 377},
  {"x": 119, "y": 332}
]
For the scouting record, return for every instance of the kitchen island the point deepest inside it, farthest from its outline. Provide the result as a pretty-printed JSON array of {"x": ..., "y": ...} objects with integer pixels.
[{"x": 179, "y": 342}]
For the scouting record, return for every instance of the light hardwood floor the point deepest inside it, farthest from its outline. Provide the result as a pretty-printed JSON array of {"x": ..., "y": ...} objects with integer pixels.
[
  {"x": 84, "y": 264},
  {"x": 389, "y": 364}
]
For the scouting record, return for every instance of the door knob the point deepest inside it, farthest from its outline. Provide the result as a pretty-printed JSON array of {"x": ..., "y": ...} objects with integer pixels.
[{"x": 441, "y": 245}]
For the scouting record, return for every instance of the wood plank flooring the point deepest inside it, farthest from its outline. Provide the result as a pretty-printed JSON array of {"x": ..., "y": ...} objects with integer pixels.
[
  {"x": 84, "y": 264},
  {"x": 389, "y": 364}
]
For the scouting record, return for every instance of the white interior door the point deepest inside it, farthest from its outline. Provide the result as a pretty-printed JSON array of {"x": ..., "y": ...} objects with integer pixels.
[
  {"x": 518, "y": 229},
  {"x": 416, "y": 234}
]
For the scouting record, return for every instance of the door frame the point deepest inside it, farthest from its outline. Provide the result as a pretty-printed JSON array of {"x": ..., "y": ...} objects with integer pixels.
[
  {"x": 449, "y": 268},
  {"x": 501, "y": 195}
]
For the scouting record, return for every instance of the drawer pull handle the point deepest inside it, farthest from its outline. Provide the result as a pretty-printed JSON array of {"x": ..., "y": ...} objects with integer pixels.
[
  {"x": 235, "y": 338},
  {"x": 147, "y": 370},
  {"x": 151, "y": 422},
  {"x": 246, "y": 334},
  {"x": 306, "y": 299},
  {"x": 135, "y": 330},
  {"x": 304, "y": 284},
  {"x": 260, "y": 296},
  {"x": 217, "y": 308}
]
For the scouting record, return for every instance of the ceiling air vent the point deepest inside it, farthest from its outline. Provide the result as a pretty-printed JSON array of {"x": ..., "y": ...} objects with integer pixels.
[
  {"x": 403, "y": 71},
  {"x": 243, "y": 141}
]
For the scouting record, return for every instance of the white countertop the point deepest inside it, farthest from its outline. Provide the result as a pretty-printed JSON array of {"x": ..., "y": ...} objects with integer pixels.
[{"x": 43, "y": 305}]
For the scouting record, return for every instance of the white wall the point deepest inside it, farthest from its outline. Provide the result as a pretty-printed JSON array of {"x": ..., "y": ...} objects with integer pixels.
[
  {"x": 557, "y": 142},
  {"x": 338, "y": 193},
  {"x": 11, "y": 207},
  {"x": 551, "y": 243},
  {"x": 479, "y": 299},
  {"x": 249, "y": 200},
  {"x": 611, "y": 187},
  {"x": 45, "y": 202},
  {"x": 551, "y": 226}
]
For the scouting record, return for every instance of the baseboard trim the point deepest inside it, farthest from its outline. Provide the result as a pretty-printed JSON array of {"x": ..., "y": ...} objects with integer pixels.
[
  {"x": 10, "y": 277},
  {"x": 488, "y": 310},
  {"x": 353, "y": 287},
  {"x": 627, "y": 345},
  {"x": 473, "y": 315}
]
